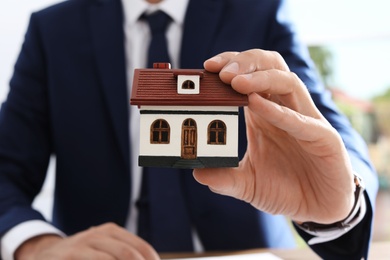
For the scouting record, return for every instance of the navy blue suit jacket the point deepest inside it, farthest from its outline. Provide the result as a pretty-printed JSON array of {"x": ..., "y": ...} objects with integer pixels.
[{"x": 68, "y": 97}]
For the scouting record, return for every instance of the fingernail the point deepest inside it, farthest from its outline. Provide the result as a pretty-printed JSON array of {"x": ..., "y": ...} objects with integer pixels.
[
  {"x": 216, "y": 59},
  {"x": 246, "y": 76},
  {"x": 231, "y": 68}
]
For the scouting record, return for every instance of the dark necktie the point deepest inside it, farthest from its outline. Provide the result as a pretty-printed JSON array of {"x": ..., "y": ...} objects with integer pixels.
[
  {"x": 163, "y": 219},
  {"x": 157, "y": 52},
  {"x": 158, "y": 48}
]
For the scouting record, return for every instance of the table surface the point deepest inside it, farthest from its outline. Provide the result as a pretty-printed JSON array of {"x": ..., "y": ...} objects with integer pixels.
[{"x": 378, "y": 251}]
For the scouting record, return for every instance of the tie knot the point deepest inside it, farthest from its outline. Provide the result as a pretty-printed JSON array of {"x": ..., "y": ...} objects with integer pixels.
[{"x": 158, "y": 21}]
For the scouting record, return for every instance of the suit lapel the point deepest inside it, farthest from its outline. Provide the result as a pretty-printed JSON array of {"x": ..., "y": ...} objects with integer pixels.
[
  {"x": 106, "y": 25},
  {"x": 200, "y": 26}
]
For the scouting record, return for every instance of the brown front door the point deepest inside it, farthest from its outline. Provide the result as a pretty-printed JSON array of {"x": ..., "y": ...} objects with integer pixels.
[{"x": 188, "y": 139}]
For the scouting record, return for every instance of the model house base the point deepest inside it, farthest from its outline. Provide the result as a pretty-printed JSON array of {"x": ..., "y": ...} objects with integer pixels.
[{"x": 178, "y": 162}]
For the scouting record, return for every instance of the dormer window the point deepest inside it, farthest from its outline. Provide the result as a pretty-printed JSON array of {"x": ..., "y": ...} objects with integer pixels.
[{"x": 188, "y": 84}]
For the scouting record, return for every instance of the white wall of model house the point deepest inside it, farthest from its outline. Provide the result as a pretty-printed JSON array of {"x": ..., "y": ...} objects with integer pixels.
[{"x": 202, "y": 122}]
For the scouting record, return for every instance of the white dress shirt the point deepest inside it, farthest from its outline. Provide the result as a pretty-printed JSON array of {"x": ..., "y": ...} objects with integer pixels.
[{"x": 136, "y": 35}]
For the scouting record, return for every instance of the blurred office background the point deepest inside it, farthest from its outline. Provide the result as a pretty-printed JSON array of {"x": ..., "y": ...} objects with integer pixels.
[{"x": 349, "y": 41}]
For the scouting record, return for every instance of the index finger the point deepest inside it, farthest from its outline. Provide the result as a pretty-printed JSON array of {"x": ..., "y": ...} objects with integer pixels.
[{"x": 231, "y": 64}]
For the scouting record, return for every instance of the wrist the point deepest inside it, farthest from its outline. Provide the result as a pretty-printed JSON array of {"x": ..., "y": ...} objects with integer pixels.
[
  {"x": 30, "y": 248},
  {"x": 326, "y": 232}
]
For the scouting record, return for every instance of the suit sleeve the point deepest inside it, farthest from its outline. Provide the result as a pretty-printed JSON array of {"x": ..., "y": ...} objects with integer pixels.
[
  {"x": 25, "y": 144},
  {"x": 284, "y": 39}
]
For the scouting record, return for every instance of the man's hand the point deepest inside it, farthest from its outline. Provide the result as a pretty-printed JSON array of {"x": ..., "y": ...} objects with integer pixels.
[
  {"x": 107, "y": 241},
  {"x": 296, "y": 163}
]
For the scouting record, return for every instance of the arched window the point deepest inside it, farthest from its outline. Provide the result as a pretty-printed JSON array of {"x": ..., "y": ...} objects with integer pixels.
[
  {"x": 188, "y": 84},
  {"x": 216, "y": 132},
  {"x": 159, "y": 132}
]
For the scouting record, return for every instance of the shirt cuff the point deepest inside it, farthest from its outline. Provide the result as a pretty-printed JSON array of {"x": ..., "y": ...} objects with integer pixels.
[
  {"x": 325, "y": 236},
  {"x": 21, "y": 233}
]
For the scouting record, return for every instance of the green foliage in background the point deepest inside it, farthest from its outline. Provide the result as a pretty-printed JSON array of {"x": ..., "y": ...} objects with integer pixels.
[
  {"x": 323, "y": 60},
  {"x": 383, "y": 97},
  {"x": 382, "y": 112}
]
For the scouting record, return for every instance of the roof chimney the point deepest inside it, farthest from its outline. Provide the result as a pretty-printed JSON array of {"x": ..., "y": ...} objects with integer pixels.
[{"x": 161, "y": 65}]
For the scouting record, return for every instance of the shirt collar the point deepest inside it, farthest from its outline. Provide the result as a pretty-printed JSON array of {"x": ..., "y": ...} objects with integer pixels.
[{"x": 133, "y": 9}]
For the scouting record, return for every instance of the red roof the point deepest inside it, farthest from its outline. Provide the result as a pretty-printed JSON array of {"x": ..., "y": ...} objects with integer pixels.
[{"x": 159, "y": 87}]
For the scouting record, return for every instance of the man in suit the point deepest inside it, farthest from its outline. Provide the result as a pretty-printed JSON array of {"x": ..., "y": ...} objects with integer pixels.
[{"x": 69, "y": 97}]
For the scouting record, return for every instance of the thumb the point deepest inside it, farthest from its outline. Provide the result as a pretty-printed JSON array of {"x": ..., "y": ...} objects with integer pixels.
[{"x": 224, "y": 181}]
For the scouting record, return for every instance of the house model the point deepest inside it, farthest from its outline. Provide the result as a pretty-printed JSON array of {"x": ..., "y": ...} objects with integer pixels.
[{"x": 188, "y": 118}]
